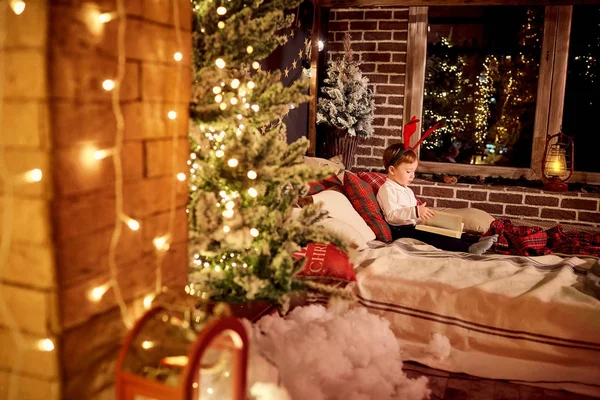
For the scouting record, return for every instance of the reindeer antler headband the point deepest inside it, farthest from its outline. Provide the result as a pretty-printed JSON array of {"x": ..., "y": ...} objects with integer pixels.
[{"x": 409, "y": 129}]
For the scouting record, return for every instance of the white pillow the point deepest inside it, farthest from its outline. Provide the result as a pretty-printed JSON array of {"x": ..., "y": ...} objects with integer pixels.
[
  {"x": 475, "y": 220},
  {"x": 339, "y": 207},
  {"x": 345, "y": 231},
  {"x": 335, "y": 164}
]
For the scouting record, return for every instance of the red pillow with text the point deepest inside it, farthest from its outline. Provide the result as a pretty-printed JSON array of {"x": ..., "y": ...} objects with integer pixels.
[{"x": 326, "y": 261}]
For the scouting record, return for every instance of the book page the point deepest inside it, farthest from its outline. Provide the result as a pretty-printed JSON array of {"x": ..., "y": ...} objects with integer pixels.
[
  {"x": 445, "y": 220},
  {"x": 439, "y": 231}
]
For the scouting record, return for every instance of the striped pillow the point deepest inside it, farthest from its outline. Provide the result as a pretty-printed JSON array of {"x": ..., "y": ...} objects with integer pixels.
[
  {"x": 365, "y": 203},
  {"x": 319, "y": 186},
  {"x": 375, "y": 179}
]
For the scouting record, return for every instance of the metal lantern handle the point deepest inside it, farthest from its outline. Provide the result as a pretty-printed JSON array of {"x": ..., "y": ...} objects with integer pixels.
[{"x": 559, "y": 136}]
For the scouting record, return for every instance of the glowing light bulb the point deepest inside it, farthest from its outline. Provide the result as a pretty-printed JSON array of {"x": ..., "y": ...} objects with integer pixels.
[
  {"x": 100, "y": 154},
  {"x": 252, "y": 174},
  {"x": 251, "y": 85},
  {"x": 233, "y": 100},
  {"x": 320, "y": 45},
  {"x": 108, "y": 85},
  {"x": 228, "y": 213},
  {"x": 235, "y": 83},
  {"x": 239, "y": 116},
  {"x": 254, "y": 232},
  {"x": 96, "y": 294},
  {"x": 35, "y": 175},
  {"x": 178, "y": 56},
  {"x": 161, "y": 243},
  {"x": 219, "y": 153},
  {"x": 229, "y": 205},
  {"x": 218, "y": 98},
  {"x": 18, "y": 6},
  {"x": 148, "y": 299},
  {"x": 223, "y": 106},
  {"x": 181, "y": 177},
  {"x": 232, "y": 162},
  {"x": 252, "y": 192},
  {"x": 221, "y": 24},
  {"x": 45, "y": 344},
  {"x": 217, "y": 89},
  {"x": 255, "y": 65},
  {"x": 221, "y": 10},
  {"x": 220, "y": 63},
  {"x": 249, "y": 49},
  {"x": 242, "y": 94},
  {"x": 172, "y": 114},
  {"x": 226, "y": 229},
  {"x": 255, "y": 107},
  {"x": 147, "y": 344}
]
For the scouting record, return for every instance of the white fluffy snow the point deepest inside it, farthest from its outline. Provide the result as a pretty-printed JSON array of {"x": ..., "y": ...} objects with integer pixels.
[
  {"x": 439, "y": 346},
  {"x": 338, "y": 354}
]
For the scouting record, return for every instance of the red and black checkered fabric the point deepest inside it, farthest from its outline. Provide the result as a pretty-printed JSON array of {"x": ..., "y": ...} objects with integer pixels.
[
  {"x": 319, "y": 186},
  {"x": 573, "y": 242},
  {"x": 375, "y": 179},
  {"x": 361, "y": 195}
]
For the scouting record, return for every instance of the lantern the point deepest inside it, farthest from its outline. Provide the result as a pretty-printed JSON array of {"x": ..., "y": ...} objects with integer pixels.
[
  {"x": 557, "y": 164},
  {"x": 183, "y": 355}
]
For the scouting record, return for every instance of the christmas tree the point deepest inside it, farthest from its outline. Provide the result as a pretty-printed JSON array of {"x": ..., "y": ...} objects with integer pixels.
[{"x": 244, "y": 178}]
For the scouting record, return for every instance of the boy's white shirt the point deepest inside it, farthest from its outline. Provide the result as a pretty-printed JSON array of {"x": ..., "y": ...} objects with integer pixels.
[{"x": 398, "y": 203}]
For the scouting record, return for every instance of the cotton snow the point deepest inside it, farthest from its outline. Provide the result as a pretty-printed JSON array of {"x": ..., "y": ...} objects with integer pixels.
[
  {"x": 351, "y": 355},
  {"x": 439, "y": 346}
]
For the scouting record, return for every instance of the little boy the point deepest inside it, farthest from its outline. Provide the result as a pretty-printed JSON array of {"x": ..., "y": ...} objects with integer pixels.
[{"x": 401, "y": 210}]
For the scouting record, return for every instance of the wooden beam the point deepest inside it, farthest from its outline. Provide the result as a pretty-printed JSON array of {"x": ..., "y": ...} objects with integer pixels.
[
  {"x": 431, "y": 3},
  {"x": 314, "y": 81}
]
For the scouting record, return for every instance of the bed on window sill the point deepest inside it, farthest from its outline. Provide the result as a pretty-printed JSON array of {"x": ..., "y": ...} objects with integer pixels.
[{"x": 516, "y": 318}]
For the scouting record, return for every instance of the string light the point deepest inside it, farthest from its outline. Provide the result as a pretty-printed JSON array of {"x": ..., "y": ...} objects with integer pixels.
[
  {"x": 96, "y": 294},
  {"x": 147, "y": 344},
  {"x": 223, "y": 106},
  {"x": 228, "y": 213},
  {"x": 181, "y": 176},
  {"x": 252, "y": 192},
  {"x": 233, "y": 100},
  {"x": 100, "y": 154},
  {"x": 251, "y": 85},
  {"x": 221, "y": 24},
  {"x": 131, "y": 223},
  {"x": 108, "y": 85},
  {"x": 232, "y": 162},
  {"x": 34, "y": 175},
  {"x": 106, "y": 17},
  {"x": 148, "y": 299},
  {"x": 218, "y": 98},
  {"x": 226, "y": 229},
  {"x": 217, "y": 89},
  {"x": 255, "y": 65},
  {"x": 161, "y": 243},
  {"x": 219, "y": 153},
  {"x": 172, "y": 114},
  {"x": 252, "y": 174},
  {"x": 320, "y": 45},
  {"x": 220, "y": 63},
  {"x": 249, "y": 49},
  {"x": 18, "y": 6},
  {"x": 235, "y": 83},
  {"x": 254, "y": 232},
  {"x": 229, "y": 205},
  {"x": 255, "y": 107},
  {"x": 45, "y": 344},
  {"x": 221, "y": 10}
]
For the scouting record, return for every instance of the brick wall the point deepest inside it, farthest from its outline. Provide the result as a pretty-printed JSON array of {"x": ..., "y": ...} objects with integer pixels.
[
  {"x": 514, "y": 202},
  {"x": 379, "y": 41},
  {"x": 55, "y": 111}
]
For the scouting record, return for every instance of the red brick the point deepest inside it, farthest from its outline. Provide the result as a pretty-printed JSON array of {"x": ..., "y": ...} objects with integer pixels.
[
  {"x": 392, "y": 25},
  {"x": 331, "y": 38},
  {"x": 364, "y": 151},
  {"x": 392, "y": 68},
  {"x": 438, "y": 192},
  {"x": 506, "y": 198},
  {"x": 379, "y": 121},
  {"x": 377, "y": 78},
  {"x": 376, "y": 36},
  {"x": 391, "y": 46},
  {"x": 399, "y": 58},
  {"x": 363, "y": 26},
  {"x": 369, "y": 162},
  {"x": 335, "y": 49},
  {"x": 394, "y": 140},
  {"x": 589, "y": 216},
  {"x": 394, "y": 121},
  {"x": 378, "y": 100},
  {"x": 388, "y": 89},
  {"x": 374, "y": 142},
  {"x": 416, "y": 189},
  {"x": 386, "y": 132},
  {"x": 340, "y": 15},
  {"x": 541, "y": 200},
  {"x": 364, "y": 46},
  {"x": 339, "y": 26},
  {"x": 522, "y": 210},
  {"x": 452, "y": 203},
  {"x": 580, "y": 204},
  {"x": 389, "y": 110},
  {"x": 379, "y": 14},
  {"x": 400, "y": 35},
  {"x": 375, "y": 57},
  {"x": 378, "y": 152},
  {"x": 367, "y": 67},
  {"x": 398, "y": 78},
  {"x": 489, "y": 207},
  {"x": 471, "y": 195},
  {"x": 401, "y": 14},
  {"x": 429, "y": 200},
  {"x": 399, "y": 99},
  {"x": 555, "y": 213}
]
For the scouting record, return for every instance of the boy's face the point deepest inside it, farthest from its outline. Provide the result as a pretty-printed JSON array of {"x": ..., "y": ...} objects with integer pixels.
[{"x": 404, "y": 173}]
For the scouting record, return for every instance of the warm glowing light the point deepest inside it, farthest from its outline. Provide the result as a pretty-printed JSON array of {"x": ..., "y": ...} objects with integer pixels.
[
  {"x": 98, "y": 292},
  {"x": 221, "y": 10},
  {"x": 132, "y": 223},
  {"x": 232, "y": 162},
  {"x": 100, "y": 154},
  {"x": 181, "y": 177},
  {"x": 219, "y": 153},
  {"x": 210, "y": 390},
  {"x": 172, "y": 114},
  {"x": 108, "y": 85},
  {"x": 252, "y": 174},
  {"x": 161, "y": 243},
  {"x": 252, "y": 192},
  {"x": 255, "y": 107},
  {"x": 228, "y": 213},
  {"x": 235, "y": 83},
  {"x": 320, "y": 45},
  {"x": 251, "y": 85},
  {"x": 220, "y": 63},
  {"x": 249, "y": 49},
  {"x": 148, "y": 299},
  {"x": 18, "y": 6},
  {"x": 223, "y": 106},
  {"x": 254, "y": 232},
  {"x": 229, "y": 205},
  {"x": 45, "y": 344},
  {"x": 147, "y": 344},
  {"x": 233, "y": 100},
  {"x": 221, "y": 24},
  {"x": 106, "y": 17},
  {"x": 178, "y": 56},
  {"x": 217, "y": 89},
  {"x": 226, "y": 229},
  {"x": 35, "y": 175},
  {"x": 255, "y": 65}
]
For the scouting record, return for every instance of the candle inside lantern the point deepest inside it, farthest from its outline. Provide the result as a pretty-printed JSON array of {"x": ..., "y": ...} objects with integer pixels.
[{"x": 556, "y": 162}]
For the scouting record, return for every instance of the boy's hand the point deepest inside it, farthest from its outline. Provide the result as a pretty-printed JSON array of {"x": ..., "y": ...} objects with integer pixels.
[{"x": 424, "y": 212}]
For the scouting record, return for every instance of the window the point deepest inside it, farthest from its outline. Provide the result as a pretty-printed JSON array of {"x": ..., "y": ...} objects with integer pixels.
[
  {"x": 481, "y": 80},
  {"x": 582, "y": 93}
]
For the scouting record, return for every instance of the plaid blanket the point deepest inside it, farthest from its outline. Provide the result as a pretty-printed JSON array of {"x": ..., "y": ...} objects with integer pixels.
[{"x": 534, "y": 241}]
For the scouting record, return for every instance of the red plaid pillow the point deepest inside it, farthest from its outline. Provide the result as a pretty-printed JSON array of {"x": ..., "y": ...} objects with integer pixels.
[
  {"x": 375, "y": 179},
  {"x": 319, "y": 186},
  {"x": 365, "y": 203},
  {"x": 325, "y": 261}
]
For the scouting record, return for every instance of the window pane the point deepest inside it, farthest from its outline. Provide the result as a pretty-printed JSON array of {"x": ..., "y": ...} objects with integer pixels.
[
  {"x": 582, "y": 97},
  {"x": 481, "y": 80}
]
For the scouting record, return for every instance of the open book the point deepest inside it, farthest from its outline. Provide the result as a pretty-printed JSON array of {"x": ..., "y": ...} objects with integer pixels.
[{"x": 443, "y": 223}]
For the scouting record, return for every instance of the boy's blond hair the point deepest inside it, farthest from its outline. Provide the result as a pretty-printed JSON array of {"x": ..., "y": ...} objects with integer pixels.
[{"x": 392, "y": 158}]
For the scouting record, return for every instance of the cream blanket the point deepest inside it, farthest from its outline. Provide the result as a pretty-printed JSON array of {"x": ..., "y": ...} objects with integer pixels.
[{"x": 507, "y": 317}]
